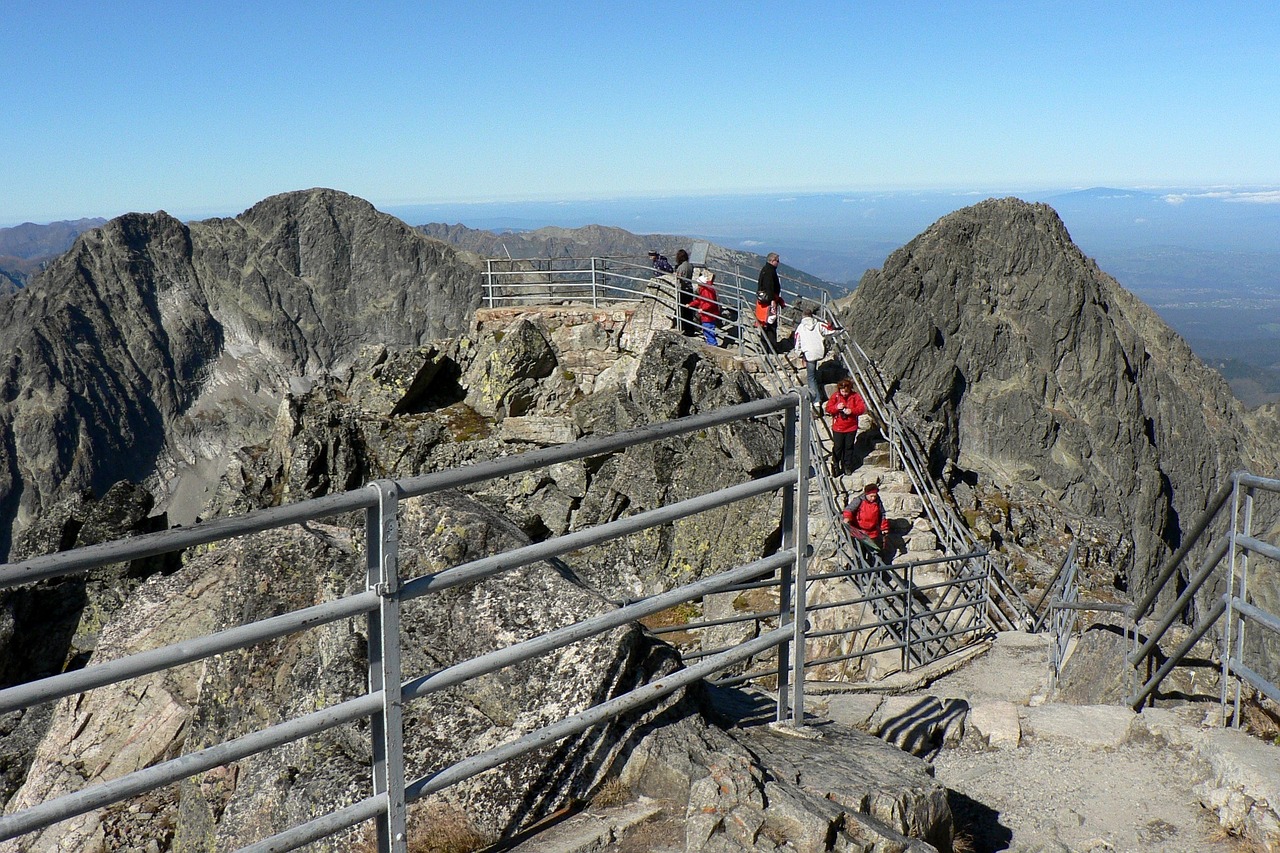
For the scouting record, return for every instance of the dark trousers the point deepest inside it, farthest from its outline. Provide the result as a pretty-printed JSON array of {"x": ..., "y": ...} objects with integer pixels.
[
  {"x": 770, "y": 331},
  {"x": 844, "y": 456}
]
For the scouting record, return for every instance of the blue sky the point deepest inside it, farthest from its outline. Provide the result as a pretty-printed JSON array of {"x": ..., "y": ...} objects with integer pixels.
[{"x": 206, "y": 108}]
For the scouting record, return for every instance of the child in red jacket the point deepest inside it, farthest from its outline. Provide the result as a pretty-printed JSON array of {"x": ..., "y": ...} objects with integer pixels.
[{"x": 707, "y": 306}]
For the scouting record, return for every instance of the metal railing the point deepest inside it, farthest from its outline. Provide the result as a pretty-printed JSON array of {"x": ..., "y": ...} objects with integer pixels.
[
  {"x": 1234, "y": 608},
  {"x": 1008, "y": 608},
  {"x": 599, "y": 281},
  {"x": 380, "y": 604}
]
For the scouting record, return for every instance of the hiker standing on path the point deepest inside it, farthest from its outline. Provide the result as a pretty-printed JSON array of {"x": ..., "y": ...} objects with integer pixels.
[
  {"x": 769, "y": 300},
  {"x": 811, "y": 341},
  {"x": 844, "y": 406},
  {"x": 684, "y": 282},
  {"x": 866, "y": 519}
]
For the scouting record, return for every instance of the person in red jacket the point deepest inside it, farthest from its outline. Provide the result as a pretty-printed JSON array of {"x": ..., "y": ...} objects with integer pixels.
[
  {"x": 844, "y": 406},
  {"x": 866, "y": 518},
  {"x": 708, "y": 306}
]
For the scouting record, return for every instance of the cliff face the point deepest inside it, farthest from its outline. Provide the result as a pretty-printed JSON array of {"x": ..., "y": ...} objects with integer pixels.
[
  {"x": 154, "y": 343},
  {"x": 1031, "y": 371}
]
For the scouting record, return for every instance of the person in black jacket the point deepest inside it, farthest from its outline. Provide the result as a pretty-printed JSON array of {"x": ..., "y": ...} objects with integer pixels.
[{"x": 769, "y": 300}]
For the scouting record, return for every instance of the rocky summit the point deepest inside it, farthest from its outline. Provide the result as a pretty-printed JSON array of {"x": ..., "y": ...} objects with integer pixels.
[
  {"x": 1057, "y": 405},
  {"x": 163, "y": 371},
  {"x": 152, "y": 346}
]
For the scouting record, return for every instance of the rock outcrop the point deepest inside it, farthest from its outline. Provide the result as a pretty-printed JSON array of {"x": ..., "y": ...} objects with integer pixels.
[
  {"x": 152, "y": 346},
  {"x": 1054, "y": 401}
]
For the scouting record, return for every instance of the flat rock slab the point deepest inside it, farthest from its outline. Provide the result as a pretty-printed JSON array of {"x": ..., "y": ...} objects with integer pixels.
[
  {"x": 1088, "y": 725},
  {"x": 998, "y": 724},
  {"x": 859, "y": 772}
]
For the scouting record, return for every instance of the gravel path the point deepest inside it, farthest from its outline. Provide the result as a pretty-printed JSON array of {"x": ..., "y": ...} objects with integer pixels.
[{"x": 1072, "y": 797}]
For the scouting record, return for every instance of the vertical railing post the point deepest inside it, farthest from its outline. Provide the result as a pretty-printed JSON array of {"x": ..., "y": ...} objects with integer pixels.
[
  {"x": 488, "y": 281},
  {"x": 1228, "y": 626},
  {"x": 786, "y": 581},
  {"x": 387, "y": 732},
  {"x": 801, "y": 514},
  {"x": 1244, "y": 582},
  {"x": 594, "y": 283},
  {"x": 906, "y": 632}
]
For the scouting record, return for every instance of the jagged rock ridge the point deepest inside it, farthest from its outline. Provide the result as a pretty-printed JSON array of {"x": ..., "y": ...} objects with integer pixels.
[
  {"x": 108, "y": 355},
  {"x": 1031, "y": 372}
]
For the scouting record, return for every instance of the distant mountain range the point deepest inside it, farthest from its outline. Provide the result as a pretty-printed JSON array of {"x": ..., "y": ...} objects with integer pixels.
[
  {"x": 25, "y": 248},
  {"x": 1208, "y": 261}
]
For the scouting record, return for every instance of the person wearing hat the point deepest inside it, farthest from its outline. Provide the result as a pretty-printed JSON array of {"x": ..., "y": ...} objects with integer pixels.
[
  {"x": 866, "y": 519},
  {"x": 707, "y": 305},
  {"x": 660, "y": 263}
]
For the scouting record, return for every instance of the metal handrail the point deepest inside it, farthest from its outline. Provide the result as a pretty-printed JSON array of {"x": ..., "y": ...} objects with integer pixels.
[
  {"x": 951, "y": 532},
  {"x": 381, "y": 599},
  {"x": 1232, "y": 607}
]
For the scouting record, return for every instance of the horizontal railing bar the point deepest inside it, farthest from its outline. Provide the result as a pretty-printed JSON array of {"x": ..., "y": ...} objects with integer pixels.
[
  {"x": 523, "y": 556},
  {"x": 321, "y": 827},
  {"x": 861, "y": 653},
  {"x": 138, "y": 782},
  {"x": 552, "y": 640},
  {"x": 1248, "y": 480},
  {"x": 179, "y": 538},
  {"x": 1261, "y": 682},
  {"x": 591, "y": 446},
  {"x": 581, "y": 721},
  {"x": 1261, "y": 617},
  {"x": 186, "y": 651},
  {"x": 1258, "y": 546},
  {"x": 1089, "y": 605},
  {"x": 951, "y": 558}
]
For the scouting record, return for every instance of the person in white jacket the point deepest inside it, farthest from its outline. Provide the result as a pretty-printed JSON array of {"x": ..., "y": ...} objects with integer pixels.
[{"x": 811, "y": 342}]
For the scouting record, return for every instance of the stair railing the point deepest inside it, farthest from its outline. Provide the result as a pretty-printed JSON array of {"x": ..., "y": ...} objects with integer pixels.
[
  {"x": 1233, "y": 607},
  {"x": 1009, "y": 609}
]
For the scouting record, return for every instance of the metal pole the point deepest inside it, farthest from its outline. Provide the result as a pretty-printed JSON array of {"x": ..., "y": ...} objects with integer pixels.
[
  {"x": 387, "y": 731},
  {"x": 785, "y": 590},
  {"x": 1244, "y": 587},
  {"x": 801, "y": 513},
  {"x": 593, "y": 283},
  {"x": 906, "y": 633}
]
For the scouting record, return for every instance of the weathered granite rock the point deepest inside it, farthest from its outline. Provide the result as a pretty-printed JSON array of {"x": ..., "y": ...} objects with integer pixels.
[
  {"x": 96, "y": 737},
  {"x": 757, "y": 789}
]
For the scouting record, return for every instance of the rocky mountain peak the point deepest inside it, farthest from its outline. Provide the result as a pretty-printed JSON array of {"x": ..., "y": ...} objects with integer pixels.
[
  {"x": 1034, "y": 374},
  {"x": 154, "y": 343}
]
